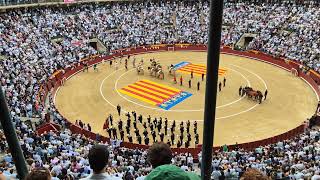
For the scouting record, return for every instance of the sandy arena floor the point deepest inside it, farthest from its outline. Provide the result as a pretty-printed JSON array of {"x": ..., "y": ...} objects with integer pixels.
[{"x": 91, "y": 96}]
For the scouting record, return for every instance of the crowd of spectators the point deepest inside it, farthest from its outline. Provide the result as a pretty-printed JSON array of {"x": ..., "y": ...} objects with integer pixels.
[{"x": 36, "y": 42}]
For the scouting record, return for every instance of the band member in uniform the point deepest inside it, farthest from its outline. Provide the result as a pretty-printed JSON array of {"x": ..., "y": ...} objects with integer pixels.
[
  {"x": 181, "y": 81},
  {"x": 130, "y": 138},
  {"x": 240, "y": 90},
  {"x": 198, "y": 85},
  {"x": 189, "y": 83},
  {"x": 172, "y": 138},
  {"x": 134, "y": 114},
  {"x": 146, "y": 140},
  {"x": 189, "y": 136},
  {"x": 135, "y": 124},
  {"x": 145, "y": 133},
  {"x": 265, "y": 94},
  {"x": 196, "y": 139},
  {"x": 109, "y": 131},
  {"x": 153, "y": 133},
  {"x": 219, "y": 86},
  {"x": 179, "y": 144},
  {"x": 140, "y": 118},
  {"x": 165, "y": 128},
  {"x": 136, "y": 131},
  {"x": 119, "y": 109},
  {"x": 149, "y": 120},
  {"x": 120, "y": 124},
  {"x": 122, "y": 135},
  {"x": 181, "y": 130},
  {"x": 159, "y": 126},
  {"x": 114, "y": 133},
  {"x": 181, "y": 137},
  {"x": 168, "y": 142},
  {"x": 202, "y": 76},
  {"x": 224, "y": 81},
  {"x": 191, "y": 74},
  {"x": 161, "y": 136},
  {"x": 127, "y": 129},
  {"x": 187, "y": 144},
  {"x": 139, "y": 139}
]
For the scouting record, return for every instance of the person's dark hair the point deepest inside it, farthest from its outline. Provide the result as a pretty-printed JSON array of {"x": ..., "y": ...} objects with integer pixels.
[
  {"x": 159, "y": 154},
  {"x": 98, "y": 157},
  {"x": 39, "y": 174}
]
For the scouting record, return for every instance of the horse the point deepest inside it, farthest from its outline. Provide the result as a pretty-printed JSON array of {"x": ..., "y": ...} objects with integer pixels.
[
  {"x": 160, "y": 74},
  {"x": 140, "y": 70},
  {"x": 255, "y": 95}
]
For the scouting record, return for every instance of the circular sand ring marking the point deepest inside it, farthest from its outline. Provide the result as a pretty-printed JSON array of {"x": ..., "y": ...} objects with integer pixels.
[
  {"x": 241, "y": 112},
  {"x": 177, "y": 110},
  {"x": 101, "y": 85}
]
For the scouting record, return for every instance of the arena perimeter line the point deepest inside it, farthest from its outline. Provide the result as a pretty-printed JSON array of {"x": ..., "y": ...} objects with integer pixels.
[
  {"x": 177, "y": 110},
  {"x": 241, "y": 112}
]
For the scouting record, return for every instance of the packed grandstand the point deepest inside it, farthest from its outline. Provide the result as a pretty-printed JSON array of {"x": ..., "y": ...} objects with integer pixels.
[{"x": 29, "y": 56}]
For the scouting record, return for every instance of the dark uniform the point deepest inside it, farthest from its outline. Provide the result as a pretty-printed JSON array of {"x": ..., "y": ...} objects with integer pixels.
[
  {"x": 190, "y": 83},
  {"x": 119, "y": 109},
  {"x": 265, "y": 94},
  {"x": 161, "y": 137},
  {"x": 224, "y": 81},
  {"x": 140, "y": 118},
  {"x": 139, "y": 139},
  {"x": 153, "y": 133},
  {"x": 145, "y": 133},
  {"x": 197, "y": 139},
  {"x": 172, "y": 138},
  {"x": 130, "y": 138},
  {"x": 179, "y": 144},
  {"x": 198, "y": 86},
  {"x": 109, "y": 132},
  {"x": 134, "y": 115},
  {"x": 128, "y": 129},
  {"x": 135, "y": 124},
  {"x": 122, "y": 135},
  {"x": 146, "y": 140},
  {"x": 219, "y": 86},
  {"x": 187, "y": 144},
  {"x": 240, "y": 90},
  {"x": 114, "y": 133},
  {"x": 111, "y": 119},
  {"x": 202, "y": 77},
  {"x": 120, "y": 124}
]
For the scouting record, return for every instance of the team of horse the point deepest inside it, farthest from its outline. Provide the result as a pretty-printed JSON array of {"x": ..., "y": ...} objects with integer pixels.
[{"x": 253, "y": 94}]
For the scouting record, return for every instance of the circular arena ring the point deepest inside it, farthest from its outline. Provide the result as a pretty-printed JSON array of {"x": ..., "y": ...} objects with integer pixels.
[{"x": 91, "y": 96}]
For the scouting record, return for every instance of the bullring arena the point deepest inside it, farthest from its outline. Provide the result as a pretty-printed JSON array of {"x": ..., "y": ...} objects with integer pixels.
[
  {"x": 116, "y": 89},
  {"x": 90, "y": 96}
]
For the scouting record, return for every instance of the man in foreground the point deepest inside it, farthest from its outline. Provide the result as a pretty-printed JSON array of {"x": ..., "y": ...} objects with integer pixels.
[
  {"x": 160, "y": 155},
  {"x": 98, "y": 160}
]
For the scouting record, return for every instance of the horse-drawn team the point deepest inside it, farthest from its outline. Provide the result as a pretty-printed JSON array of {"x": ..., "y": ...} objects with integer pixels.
[{"x": 155, "y": 70}]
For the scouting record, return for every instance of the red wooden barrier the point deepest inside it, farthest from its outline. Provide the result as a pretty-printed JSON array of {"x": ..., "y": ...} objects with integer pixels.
[{"x": 55, "y": 82}]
